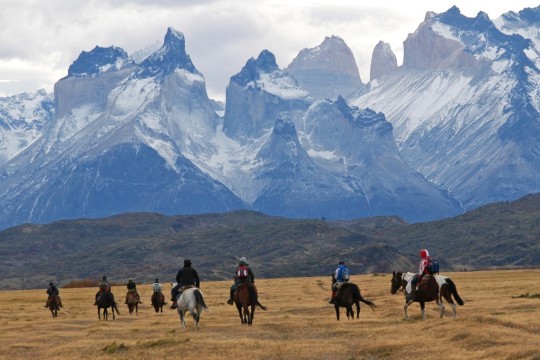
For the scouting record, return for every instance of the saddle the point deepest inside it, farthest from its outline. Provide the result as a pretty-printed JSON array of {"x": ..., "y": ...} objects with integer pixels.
[{"x": 423, "y": 284}]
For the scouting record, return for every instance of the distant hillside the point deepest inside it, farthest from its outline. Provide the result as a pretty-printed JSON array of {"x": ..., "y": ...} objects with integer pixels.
[{"x": 149, "y": 245}]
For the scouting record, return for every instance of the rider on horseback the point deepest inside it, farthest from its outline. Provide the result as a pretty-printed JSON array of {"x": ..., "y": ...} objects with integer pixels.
[
  {"x": 187, "y": 276},
  {"x": 417, "y": 278},
  {"x": 104, "y": 286},
  {"x": 132, "y": 288},
  {"x": 156, "y": 286},
  {"x": 52, "y": 290},
  {"x": 242, "y": 275},
  {"x": 341, "y": 275}
]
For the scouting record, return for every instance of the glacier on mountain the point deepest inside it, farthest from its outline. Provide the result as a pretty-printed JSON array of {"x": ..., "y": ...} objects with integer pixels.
[
  {"x": 456, "y": 126},
  {"x": 463, "y": 108}
]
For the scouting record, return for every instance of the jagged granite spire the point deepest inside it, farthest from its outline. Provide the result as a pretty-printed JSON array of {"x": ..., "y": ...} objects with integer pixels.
[
  {"x": 327, "y": 70},
  {"x": 383, "y": 61},
  {"x": 171, "y": 56},
  {"x": 265, "y": 63}
]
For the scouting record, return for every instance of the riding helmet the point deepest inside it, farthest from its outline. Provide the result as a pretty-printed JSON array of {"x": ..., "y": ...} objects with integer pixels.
[
  {"x": 341, "y": 262},
  {"x": 424, "y": 253},
  {"x": 187, "y": 262}
]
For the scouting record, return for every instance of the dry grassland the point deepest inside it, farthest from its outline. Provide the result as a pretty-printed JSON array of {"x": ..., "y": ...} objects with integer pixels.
[{"x": 299, "y": 324}]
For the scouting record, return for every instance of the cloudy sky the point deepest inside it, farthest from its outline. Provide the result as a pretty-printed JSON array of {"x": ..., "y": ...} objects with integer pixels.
[{"x": 40, "y": 39}]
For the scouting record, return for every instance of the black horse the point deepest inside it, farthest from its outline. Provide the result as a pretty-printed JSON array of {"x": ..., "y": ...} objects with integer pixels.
[
  {"x": 104, "y": 301},
  {"x": 347, "y": 294}
]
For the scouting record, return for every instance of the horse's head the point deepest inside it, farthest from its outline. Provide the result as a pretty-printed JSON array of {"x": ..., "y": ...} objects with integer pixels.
[{"x": 397, "y": 281}]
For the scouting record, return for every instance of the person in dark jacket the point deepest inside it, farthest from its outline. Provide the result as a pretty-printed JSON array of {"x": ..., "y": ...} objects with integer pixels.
[
  {"x": 52, "y": 290},
  {"x": 132, "y": 288},
  {"x": 242, "y": 275},
  {"x": 104, "y": 286},
  {"x": 186, "y": 276}
]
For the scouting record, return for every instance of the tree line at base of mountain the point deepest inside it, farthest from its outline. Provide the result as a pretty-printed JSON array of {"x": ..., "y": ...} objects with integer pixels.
[{"x": 145, "y": 246}]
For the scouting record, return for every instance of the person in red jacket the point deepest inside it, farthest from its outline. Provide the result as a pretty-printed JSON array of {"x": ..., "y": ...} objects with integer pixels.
[{"x": 422, "y": 270}]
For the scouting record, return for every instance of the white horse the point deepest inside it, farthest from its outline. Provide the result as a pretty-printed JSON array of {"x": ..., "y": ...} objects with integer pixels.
[
  {"x": 191, "y": 300},
  {"x": 447, "y": 289}
]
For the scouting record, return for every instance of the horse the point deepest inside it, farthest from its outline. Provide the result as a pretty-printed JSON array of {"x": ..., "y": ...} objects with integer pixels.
[
  {"x": 158, "y": 300},
  {"x": 53, "y": 303},
  {"x": 347, "y": 294},
  {"x": 435, "y": 289},
  {"x": 104, "y": 301},
  {"x": 246, "y": 298},
  {"x": 132, "y": 302},
  {"x": 191, "y": 300}
]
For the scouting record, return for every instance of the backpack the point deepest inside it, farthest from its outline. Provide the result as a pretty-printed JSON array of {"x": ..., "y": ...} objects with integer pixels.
[
  {"x": 242, "y": 272},
  {"x": 345, "y": 274},
  {"x": 433, "y": 266}
]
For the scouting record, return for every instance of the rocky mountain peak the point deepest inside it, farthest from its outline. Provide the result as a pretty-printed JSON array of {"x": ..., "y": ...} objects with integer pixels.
[
  {"x": 171, "y": 56},
  {"x": 98, "y": 60},
  {"x": 326, "y": 70},
  {"x": 265, "y": 63},
  {"x": 383, "y": 61}
]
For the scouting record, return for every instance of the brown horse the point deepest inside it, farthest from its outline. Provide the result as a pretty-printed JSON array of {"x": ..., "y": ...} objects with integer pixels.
[
  {"x": 132, "y": 300},
  {"x": 158, "y": 300},
  {"x": 246, "y": 297},
  {"x": 432, "y": 288},
  {"x": 53, "y": 303},
  {"x": 104, "y": 301},
  {"x": 348, "y": 294}
]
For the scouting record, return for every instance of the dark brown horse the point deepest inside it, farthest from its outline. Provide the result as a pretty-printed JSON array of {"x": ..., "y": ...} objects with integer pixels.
[
  {"x": 246, "y": 298},
  {"x": 132, "y": 300},
  {"x": 104, "y": 301},
  {"x": 348, "y": 294},
  {"x": 53, "y": 303},
  {"x": 432, "y": 288},
  {"x": 158, "y": 300}
]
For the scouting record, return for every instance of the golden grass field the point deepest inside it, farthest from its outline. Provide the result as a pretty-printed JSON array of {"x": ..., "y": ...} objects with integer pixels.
[{"x": 299, "y": 324}]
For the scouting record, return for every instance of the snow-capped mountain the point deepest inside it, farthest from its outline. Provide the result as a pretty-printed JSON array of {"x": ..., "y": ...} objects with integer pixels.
[
  {"x": 464, "y": 106},
  {"x": 358, "y": 144},
  {"x": 118, "y": 143},
  {"x": 257, "y": 95},
  {"x": 22, "y": 118},
  {"x": 525, "y": 23},
  {"x": 458, "y": 120},
  {"x": 327, "y": 70}
]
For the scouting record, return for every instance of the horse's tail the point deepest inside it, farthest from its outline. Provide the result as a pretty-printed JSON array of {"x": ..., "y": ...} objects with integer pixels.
[
  {"x": 115, "y": 307},
  {"x": 358, "y": 295},
  {"x": 454, "y": 292},
  {"x": 261, "y": 305},
  {"x": 200, "y": 299}
]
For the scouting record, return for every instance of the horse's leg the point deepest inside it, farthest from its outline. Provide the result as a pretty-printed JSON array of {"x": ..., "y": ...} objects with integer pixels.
[
  {"x": 239, "y": 308},
  {"x": 246, "y": 314},
  {"x": 441, "y": 307},
  {"x": 336, "y": 306},
  {"x": 407, "y": 303},
  {"x": 350, "y": 312},
  {"x": 448, "y": 297},
  {"x": 252, "y": 314},
  {"x": 195, "y": 315},
  {"x": 358, "y": 309},
  {"x": 423, "y": 308},
  {"x": 182, "y": 318}
]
